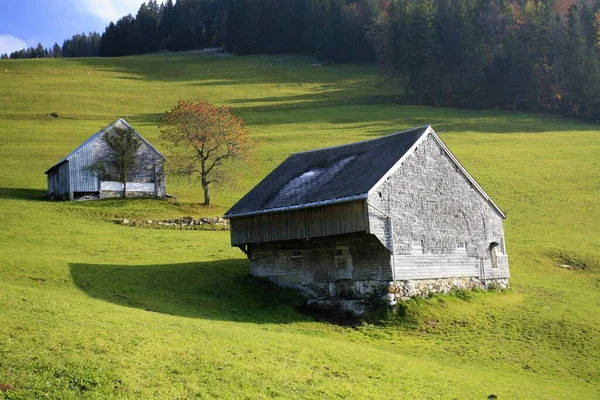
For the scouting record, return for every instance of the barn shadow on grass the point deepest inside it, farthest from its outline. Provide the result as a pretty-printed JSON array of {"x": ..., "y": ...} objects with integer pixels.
[
  {"x": 24, "y": 194},
  {"x": 216, "y": 290}
]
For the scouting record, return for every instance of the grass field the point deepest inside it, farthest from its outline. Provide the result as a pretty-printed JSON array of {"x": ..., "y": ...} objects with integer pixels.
[{"x": 93, "y": 309}]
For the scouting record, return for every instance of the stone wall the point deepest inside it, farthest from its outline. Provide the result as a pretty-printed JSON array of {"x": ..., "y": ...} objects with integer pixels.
[
  {"x": 374, "y": 293},
  {"x": 113, "y": 194},
  {"x": 404, "y": 290},
  {"x": 441, "y": 226}
]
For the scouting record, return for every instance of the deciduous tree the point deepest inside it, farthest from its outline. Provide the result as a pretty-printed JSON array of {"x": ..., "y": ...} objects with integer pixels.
[{"x": 203, "y": 137}]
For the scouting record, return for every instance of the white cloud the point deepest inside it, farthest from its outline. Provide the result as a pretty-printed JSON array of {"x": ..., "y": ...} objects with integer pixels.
[
  {"x": 108, "y": 10},
  {"x": 9, "y": 43}
]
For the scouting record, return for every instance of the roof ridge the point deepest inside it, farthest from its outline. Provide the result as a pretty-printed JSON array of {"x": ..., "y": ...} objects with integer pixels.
[{"x": 423, "y": 127}]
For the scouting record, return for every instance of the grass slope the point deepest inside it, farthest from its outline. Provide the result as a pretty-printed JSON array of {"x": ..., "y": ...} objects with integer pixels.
[{"x": 89, "y": 308}]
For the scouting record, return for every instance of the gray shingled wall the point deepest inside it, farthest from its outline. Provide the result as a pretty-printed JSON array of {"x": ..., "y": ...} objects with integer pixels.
[{"x": 435, "y": 205}]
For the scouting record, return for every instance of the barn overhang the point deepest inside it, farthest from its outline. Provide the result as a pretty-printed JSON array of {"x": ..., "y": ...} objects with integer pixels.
[{"x": 300, "y": 223}]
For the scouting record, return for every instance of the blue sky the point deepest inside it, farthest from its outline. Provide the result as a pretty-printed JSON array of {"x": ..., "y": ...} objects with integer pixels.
[{"x": 25, "y": 23}]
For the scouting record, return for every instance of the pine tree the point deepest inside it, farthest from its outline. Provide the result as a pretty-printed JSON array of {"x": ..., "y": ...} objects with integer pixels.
[
  {"x": 166, "y": 26},
  {"x": 40, "y": 51},
  {"x": 56, "y": 51}
]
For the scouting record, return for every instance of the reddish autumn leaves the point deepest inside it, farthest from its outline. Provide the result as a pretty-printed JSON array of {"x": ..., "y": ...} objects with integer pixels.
[{"x": 203, "y": 137}]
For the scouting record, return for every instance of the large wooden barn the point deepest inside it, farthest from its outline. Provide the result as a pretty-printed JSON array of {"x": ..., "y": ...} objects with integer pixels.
[
  {"x": 76, "y": 175},
  {"x": 388, "y": 218}
]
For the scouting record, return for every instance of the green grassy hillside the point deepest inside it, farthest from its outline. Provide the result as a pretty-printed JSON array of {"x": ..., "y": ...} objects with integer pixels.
[{"x": 93, "y": 309}]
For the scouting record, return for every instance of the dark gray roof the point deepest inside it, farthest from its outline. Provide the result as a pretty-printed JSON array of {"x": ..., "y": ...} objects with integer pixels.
[
  {"x": 98, "y": 134},
  {"x": 325, "y": 176}
]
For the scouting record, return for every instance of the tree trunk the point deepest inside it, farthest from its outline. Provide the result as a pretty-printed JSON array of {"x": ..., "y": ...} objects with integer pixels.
[
  {"x": 206, "y": 195},
  {"x": 124, "y": 189}
]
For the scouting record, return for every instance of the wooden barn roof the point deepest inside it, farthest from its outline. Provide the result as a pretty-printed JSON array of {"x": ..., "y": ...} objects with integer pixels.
[
  {"x": 326, "y": 176},
  {"x": 98, "y": 134}
]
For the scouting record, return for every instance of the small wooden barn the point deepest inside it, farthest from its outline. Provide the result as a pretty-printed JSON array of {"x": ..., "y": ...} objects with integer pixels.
[
  {"x": 76, "y": 175},
  {"x": 388, "y": 218}
]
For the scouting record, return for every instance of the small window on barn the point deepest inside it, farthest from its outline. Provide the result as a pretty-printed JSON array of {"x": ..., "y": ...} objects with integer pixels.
[
  {"x": 84, "y": 175},
  {"x": 296, "y": 254},
  {"x": 461, "y": 247},
  {"x": 416, "y": 247},
  {"x": 380, "y": 195},
  {"x": 501, "y": 248},
  {"x": 342, "y": 251}
]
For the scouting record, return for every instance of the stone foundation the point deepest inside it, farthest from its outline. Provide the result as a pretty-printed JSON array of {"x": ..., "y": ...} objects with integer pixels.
[
  {"x": 404, "y": 290},
  {"x": 345, "y": 289},
  {"x": 356, "y": 296},
  {"x": 112, "y": 194}
]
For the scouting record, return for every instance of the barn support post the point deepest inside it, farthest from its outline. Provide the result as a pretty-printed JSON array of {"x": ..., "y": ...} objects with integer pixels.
[
  {"x": 482, "y": 263},
  {"x": 391, "y": 220},
  {"x": 156, "y": 182},
  {"x": 71, "y": 196}
]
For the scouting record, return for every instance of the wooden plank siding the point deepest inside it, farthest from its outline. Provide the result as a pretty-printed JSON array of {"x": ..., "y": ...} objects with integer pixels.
[
  {"x": 81, "y": 177},
  {"x": 438, "y": 266},
  {"x": 334, "y": 219},
  {"x": 58, "y": 180}
]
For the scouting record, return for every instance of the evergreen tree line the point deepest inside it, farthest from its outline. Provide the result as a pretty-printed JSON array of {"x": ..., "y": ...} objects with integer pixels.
[
  {"x": 80, "y": 45},
  {"x": 539, "y": 55},
  {"x": 519, "y": 54},
  {"x": 335, "y": 30}
]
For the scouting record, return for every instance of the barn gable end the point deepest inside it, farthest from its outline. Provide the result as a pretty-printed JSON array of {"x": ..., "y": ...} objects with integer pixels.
[
  {"x": 436, "y": 221},
  {"x": 74, "y": 175}
]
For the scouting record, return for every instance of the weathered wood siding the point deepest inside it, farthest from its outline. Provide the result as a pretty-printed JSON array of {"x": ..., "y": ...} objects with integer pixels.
[
  {"x": 58, "y": 180},
  {"x": 440, "y": 266},
  {"x": 81, "y": 176},
  {"x": 335, "y": 219}
]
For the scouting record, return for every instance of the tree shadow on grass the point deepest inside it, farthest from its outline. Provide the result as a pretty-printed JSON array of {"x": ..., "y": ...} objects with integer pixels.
[
  {"x": 23, "y": 194},
  {"x": 217, "y": 290}
]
